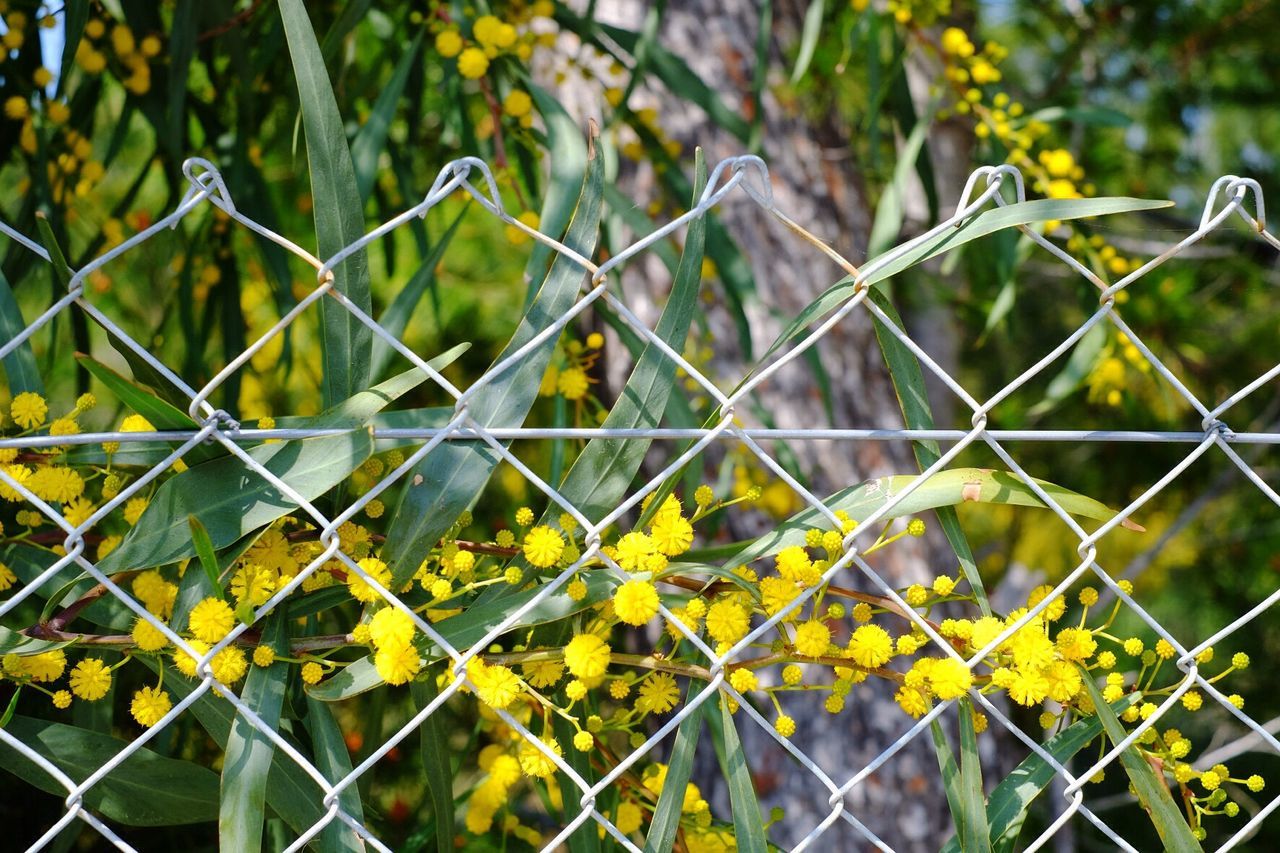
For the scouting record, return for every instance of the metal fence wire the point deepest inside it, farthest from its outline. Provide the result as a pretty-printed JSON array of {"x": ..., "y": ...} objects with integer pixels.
[{"x": 1230, "y": 196}]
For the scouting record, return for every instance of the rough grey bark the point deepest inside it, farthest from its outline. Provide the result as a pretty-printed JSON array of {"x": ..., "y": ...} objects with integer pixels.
[{"x": 817, "y": 182}]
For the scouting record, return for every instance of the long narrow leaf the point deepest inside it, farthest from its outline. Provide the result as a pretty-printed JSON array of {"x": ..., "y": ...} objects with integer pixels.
[
  {"x": 246, "y": 767},
  {"x": 748, "y": 822},
  {"x": 1152, "y": 791},
  {"x": 145, "y": 789},
  {"x": 204, "y": 550},
  {"x": 1007, "y": 806},
  {"x": 395, "y": 319},
  {"x": 437, "y": 760},
  {"x": 987, "y": 222},
  {"x": 347, "y": 343},
  {"x": 951, "y": 487},
  {"x": 913, "y": 400},
  {"x": 333, "y": 760},
  {"x": 808, "y": 38},
  {"x": 449, "y": 478},
  {"x": 666, "y": 817},
  {"x": 291, "y": 794},
  {"x": 19, "y": 365},
  {"x": 971, "y": 793},
  {"x": 369, "y": 142}
]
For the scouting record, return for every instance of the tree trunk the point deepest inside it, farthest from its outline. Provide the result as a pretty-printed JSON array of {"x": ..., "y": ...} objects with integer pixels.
[{"x": 816, "y": 181}]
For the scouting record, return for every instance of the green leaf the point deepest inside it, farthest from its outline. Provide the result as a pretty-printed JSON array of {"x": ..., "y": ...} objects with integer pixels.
[
  {"x": 599, "y": 478},
  {"x": 469, "y": 627},
  {"x": 19, "y": 365},
  {"x": 1007, "y": 806},
  {"x": 975, "y": 829},
  {"x": 333, "y": 760},
  {"x": 887, "y": 223},
  {"x": 208, "y": 557},
  {"x": 1083, "y": 356},
  {"x": 159, "y": 413},
  {"x": 437, "y": 758},
  {"x": 182, "y": 47},
  {"x": 77, "y": 15},
  {"x": 583, "y": 839},
  {"x": 146, "y": 789},
  {"x": 1153, "y": 793},
  {"x": 360, "y": 409},
  {"x": 987, "y": 222},
  {"x": 11, "y": 707},
  {"x": 230, "y": 500},
  {"x": 748, "y": 822},
  {"x": 449, "y": 478},
  {"x": 339, "y": 215},
  {"x": 352, "y": 14},
  {"x": 395, "y": 319},
  {"x": 371, "y": 138},
  {"x": 913, "y": 400},
  {"x": 950, "y": 773},
  {"x": 666, "y": 817},
  {"x": 247, "y": 764},
  {"x": 951, "y": 487},
  {"x": 567, "y": 162},
  {"x": 808, "y": 39},
  {"x": 57, "y": 258},
  {"x": 1097, "y": 116},
  {"x": 291, "y": 794}
]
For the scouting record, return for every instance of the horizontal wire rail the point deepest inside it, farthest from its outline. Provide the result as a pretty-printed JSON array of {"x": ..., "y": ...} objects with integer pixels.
[{"x": 987, "y": 187}]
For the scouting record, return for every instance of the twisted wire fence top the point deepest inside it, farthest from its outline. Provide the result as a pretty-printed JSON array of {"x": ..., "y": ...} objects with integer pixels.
[{"x": 1230, "y": 197}]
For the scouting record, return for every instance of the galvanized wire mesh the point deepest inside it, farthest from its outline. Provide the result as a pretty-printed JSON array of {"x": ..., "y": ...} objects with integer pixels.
[{"x": 989, "y": 186}]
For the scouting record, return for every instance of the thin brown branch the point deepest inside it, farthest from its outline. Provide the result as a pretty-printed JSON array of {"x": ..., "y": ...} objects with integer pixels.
[{"x": 231, "y": 23}]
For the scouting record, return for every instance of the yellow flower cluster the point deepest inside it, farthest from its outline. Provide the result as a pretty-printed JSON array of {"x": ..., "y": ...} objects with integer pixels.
[
  {"x": 567, "y": 374},
  {"x": 492, "y": 37}
]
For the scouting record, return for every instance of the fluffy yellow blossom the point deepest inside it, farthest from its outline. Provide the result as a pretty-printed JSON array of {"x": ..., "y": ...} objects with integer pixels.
[
  {"x": 390, "y": 627},
  {"x": 56, "y": 483},
  {"x": 229, "y": 665},
  {"x": 149, "y": 706},
  {"x": 573, "y": 383},
  {"x": 636, "y": 602},
  {"x": 949, "y": 679},
  {"x": 90, "y": 679},
  {"x": 494, "y": 685},
  {"x": 870, "y": 646},
  {"x": 534, "y": 763},
  {"x": 542, "y": 546},
  {"x": 812, "y": 639},
  {"x": 448, "y": 43},
  {"x": 148, "y": 637},
  {"x": 658, "y": 693},
  {"x": 472, "y": 63},
  {"x": 517, "y": 103},
  {"x": 587, "y": 656},
  {"x": 359, "y": 588},
  {"x": 264, "y": 656},
  {"x": 546, "y": 673},
  {"x": 397, "y": 664},
  {"x": 253, "y": 585},
  {"x": 727, "y": 621},
  {"x": 784, "y": 725},
  {"x": 211, "y": 620}
]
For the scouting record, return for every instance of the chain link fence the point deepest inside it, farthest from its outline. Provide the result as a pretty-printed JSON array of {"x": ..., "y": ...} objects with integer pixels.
[{"x": 988, "y": 187}]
